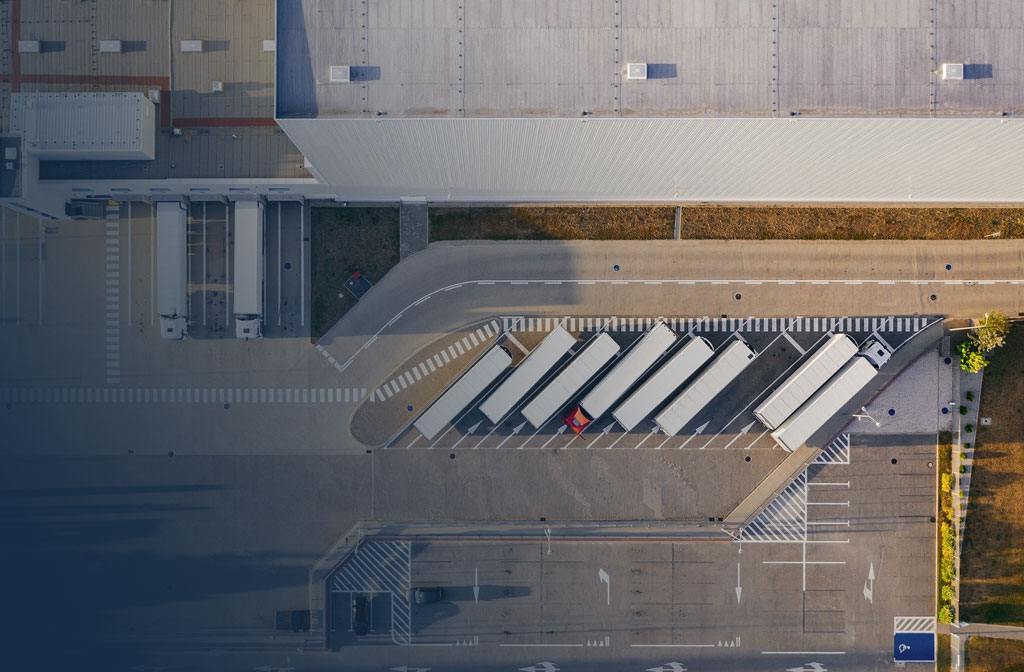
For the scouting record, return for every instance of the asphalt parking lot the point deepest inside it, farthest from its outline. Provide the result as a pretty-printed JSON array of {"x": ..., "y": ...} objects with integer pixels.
[
  {"x": 819, "y": 577},
  {"x": 780, "y": 345}
]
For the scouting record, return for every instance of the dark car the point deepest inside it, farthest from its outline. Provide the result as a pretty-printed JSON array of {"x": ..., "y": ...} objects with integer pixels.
[
  {"x": 296, "y": 621},
  {"x": 426, "y": 595},
  {"x": 360, "y": 614}
]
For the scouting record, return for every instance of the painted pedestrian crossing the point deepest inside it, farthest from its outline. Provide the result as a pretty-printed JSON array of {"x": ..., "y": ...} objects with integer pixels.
[
  {"x": 837, "y": 452},
  {"x": 706, "y": 324},
  {"x": 784, "y": 520}
]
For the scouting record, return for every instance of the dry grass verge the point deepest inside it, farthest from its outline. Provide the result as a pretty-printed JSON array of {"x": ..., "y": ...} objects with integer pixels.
[
  {"x": 344, "y": 240},
  {"x": 992, "y": 562},
  {"x": 724, "y": 222},
  {"x": 988, "y": 654}
]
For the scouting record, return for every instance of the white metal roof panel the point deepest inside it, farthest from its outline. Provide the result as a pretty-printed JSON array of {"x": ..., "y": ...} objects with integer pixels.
[
  {"x": 812, "y": 374},
  {"x": 248, "y": 258},
  {"x": 705, "y": 387},
  {"x": 582, "y": 368},
  {"x": 666, "y": 380},
  {"x": 801, "y": 159},
  {"x": 825, "y": 403},
  {"x": 623, "y": 375},
  {"x": 462, "y": 392},
  {"x": 171, "y": 259},
  {"x": 527, "y": 374},
  {"x": 80, "y": 126}
]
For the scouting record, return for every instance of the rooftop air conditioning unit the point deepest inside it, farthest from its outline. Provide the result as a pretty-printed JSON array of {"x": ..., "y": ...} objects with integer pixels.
[
  {"x": 636, "y": 71},
  {"x": 269, "y": 45},
  {"x": 191, "y": 45},
  {"x": 952, "y": 70},
  {"x": 110, "y": 46},
  {"x": 29, "y": 47},
  {"x": 217, "y": 87},
  {"x": 341, "y": 73}
]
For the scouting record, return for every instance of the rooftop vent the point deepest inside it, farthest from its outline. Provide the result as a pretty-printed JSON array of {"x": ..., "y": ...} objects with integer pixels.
[
  {"x": 110, "y": 46},
  {"x": 29, "y": 47},
  {"x": 269, "y": 45},
  {"x": 952, "y": 70},
  {"x": 216, "y": 86},
  {"x": 636, "y": 71},
  {"x": 191, "y": 45},
  {"x": 341, "y": 73}
]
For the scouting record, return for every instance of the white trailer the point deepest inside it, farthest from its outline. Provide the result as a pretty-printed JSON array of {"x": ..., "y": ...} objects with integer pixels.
[
  {"x": 824, "y": 363},
  {"x": 705, "y": 387},
  {"x": 825, "y": 403},
  {"x": 172, "y": 269},
  {"x": 666, "y": 380},
  {"x": 582, "y": 368},
  {"x": 457, "y": 397},
  {"x": 248, "y": 260},
  {"x": 624, "y": 375},
  {"x": 527, "y": 374}
]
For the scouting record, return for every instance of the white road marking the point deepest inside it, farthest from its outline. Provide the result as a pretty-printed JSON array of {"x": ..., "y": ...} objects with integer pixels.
[{"x": 793, "y": 342}]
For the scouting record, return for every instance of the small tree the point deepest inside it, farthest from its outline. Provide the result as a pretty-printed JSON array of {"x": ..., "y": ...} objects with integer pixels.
[
  {"x": 971, "y": 359},
  {"x": 991, "y": 332}
]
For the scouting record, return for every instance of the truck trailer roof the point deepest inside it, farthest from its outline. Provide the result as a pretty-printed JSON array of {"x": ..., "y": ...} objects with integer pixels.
[
  {"x": 457, "y": 397},
  {"x": 812, "y": 374},
  {"x": 628, "y": 370},
  {"x": 705, "y": 387},
  {"x": 582, "y": 368},
  {"x": 667, "y": 379},
  {"x": 527, "y": 374}
]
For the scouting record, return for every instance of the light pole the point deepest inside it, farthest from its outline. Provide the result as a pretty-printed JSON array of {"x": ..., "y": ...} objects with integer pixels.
[
  {"x": 976, "y": 326},
  {"x": 864, "y": 415}
]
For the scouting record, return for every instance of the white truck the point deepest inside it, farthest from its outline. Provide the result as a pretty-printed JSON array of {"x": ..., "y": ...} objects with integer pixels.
[
  {"x": 824, "y": 363},
  {"x": 623, "y": 376},
  {"x": 724, "y": 369},
  {"x": 832, "y": 396},
  {"x": 666, "y": 380},
  {"x": 527, "y": 374},
  {"x": 248, "y": 260},
  {"x": 457, "y": 397},
  {"x": 172, "y": 268},
  {"x": 598, "y": 352}
]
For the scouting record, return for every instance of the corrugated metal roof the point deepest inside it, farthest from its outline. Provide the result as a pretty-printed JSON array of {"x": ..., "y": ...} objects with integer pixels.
[
  {"x": 679, "y": 159},
  {"x": 85, "y": 125}
]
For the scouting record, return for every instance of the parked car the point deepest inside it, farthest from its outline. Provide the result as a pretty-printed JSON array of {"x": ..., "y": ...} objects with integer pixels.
[
  {"x": 360, "y": 614},
  {"x": 426, "y": 595}
]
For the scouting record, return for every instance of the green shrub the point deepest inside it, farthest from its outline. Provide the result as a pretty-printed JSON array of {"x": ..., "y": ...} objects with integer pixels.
[
  {"x": 963, "y": 410},
  {"x": 971, "y": 359},
  {"x": 947, "y": 482},
  {"x": 947, "y": 594},
  {"x": 946, "y": 614},
  {"x": 963, "y": 456},
  {"x": 963, "y": 469},
  {"x": 968, "y": 428},
  {"x": 969, "y": 396},
  {"x": 967, "y": 445}
]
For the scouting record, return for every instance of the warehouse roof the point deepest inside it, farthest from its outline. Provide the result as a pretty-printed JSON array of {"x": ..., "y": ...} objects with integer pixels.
[{"x": 570, "y": 58}]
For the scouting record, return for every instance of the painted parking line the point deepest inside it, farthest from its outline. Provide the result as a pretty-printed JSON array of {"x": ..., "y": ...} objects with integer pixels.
[{"x": 113, "y": 295}]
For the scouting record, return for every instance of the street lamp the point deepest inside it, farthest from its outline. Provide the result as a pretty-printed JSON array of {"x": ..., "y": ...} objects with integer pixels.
[
  {"x": 864, "y": 415},
  {"x": 976, "y": 326}
]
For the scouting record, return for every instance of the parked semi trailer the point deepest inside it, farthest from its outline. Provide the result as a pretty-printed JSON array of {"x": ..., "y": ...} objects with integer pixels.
[
  {"x": 467, "y": 388},
  {"x": 172, "y": 268},
  {"x": 723, "y": 370},
  {"x": 598, "y": 352},
  {"x": 248, "y": 261},
  {"x": 666, "y": 380},
  {"x": 832, "y": 396},
  {"x": 527, "y": 374},
  {"x": 824, "y": 363},
  {"x": 623, "y": 376}
]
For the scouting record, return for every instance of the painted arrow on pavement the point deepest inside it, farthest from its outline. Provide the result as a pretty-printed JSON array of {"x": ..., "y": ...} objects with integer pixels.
[
  {"x": 476, "y": 584},
  {"x": 468, "y": 432},
  {"x": 739, "y": 588},
  {"x": 736, "y": 438},
  {"x": 540, "y": 667},
  {"x": 403, "y": 668},
  {"x": 809, "y": 667},
  {"x": 668, "y": 667},
  {"x": 558, "y": 432},
  {"x": 515, "y": 430},
  {"x": 869, "y": 585}
]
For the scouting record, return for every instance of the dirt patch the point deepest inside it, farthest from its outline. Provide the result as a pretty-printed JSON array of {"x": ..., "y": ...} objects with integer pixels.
[
  {"x": 725, "y": 222},
  {"x": 992, "y": 561},
  {"x": 943, "y": 656},
  {"x": 988, "y": 654},
  {"x": 344, "y": 240}
]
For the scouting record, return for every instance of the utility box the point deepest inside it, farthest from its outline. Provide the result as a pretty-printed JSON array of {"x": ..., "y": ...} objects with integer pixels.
[
  {"x": 269, "y": 45},
  {"x": 191, "y": 45},
  {"x": 636, "y": 71},
  {"x": 217, "y": 86},
  {"x": 952, "y": 71},
  {"x": 29, "y": 46},
  {"x": 110, "y": 46}
]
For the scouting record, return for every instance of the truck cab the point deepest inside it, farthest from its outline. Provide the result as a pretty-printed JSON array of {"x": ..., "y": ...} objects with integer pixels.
[
  {"x": 876, "y": 353},
  {"x": 577, "y": 420}
]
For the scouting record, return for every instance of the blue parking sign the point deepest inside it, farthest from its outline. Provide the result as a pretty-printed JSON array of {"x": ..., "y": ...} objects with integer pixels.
[{"x": 913, "y": 647}]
